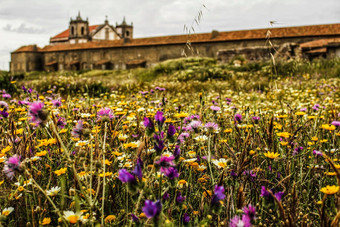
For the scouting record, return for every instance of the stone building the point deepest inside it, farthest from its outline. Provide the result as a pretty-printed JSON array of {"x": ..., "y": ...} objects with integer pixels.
[{"x": 83, "y": 47}]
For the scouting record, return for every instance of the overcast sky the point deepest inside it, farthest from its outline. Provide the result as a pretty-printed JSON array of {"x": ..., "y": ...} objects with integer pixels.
[{"x": 24, "y": 22}]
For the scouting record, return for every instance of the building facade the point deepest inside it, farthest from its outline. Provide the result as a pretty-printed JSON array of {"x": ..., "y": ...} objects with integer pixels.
[{"x": 83, "y": 47}]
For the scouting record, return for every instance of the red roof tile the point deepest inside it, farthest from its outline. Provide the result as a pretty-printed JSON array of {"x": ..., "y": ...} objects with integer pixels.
[
  {"x": 66, "y": 33},
  {"x": 301, "y": 31},
  {"x": 29, "y": 48}
]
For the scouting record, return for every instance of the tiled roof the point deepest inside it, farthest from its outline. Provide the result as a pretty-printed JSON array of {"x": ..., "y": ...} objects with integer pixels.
[
  {"x": 301, "y": 31},
  {"x": 318, "y": 43},
  {"x": 66, "y": 33},
  {"x": 29, "y": 48}
]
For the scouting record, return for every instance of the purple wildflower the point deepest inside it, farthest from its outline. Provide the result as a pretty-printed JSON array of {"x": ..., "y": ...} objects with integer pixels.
[
  {"x": 211, "y": 126},
  {"x": 138, "y": 169},
  {"x": 126, "y": 177},
  {"x": 171, "y": 130},
  {"x": 170, "y": 172},
  {"x": 148, "y": 123},
  {"x": 165, "y": 196},
  {"x": 297, "y": 150},
  {"x": 279, "y": 195},
  {"x": 38, "y": 115},
  {"x": 177, "y": 151},
  {"x": 6, "y": 96},
  {"x": 159, "y": 118},
  {"x": 134, "y": 218},
  {"x": 77, "y": 131},
  {"x": 186, "y": 218},
  {"x": 218, "y": 195},
  {"x": 56, "y": 102},
  {"x": 336, "y": 123},
  {"x": 152, "y": 209},
  {"x": 256, "y": 119},
  {"x": 316, "y": 107},
  {"x": 317, "y": 153},
  {"x": 165, "y": 162},
  {"x": 250, "y": 211},
  {"x": 61, "y": 122},
  {"x": 238, "y": 118},
  {"x": 264, "y": 192},
  {"x": 12, "y": 165},
  {"x": 180, "y": 198},
  {"x": 105, "y": 113},
  {"x": 3, "y": 109},
  {"x": 215, "y": 108}
]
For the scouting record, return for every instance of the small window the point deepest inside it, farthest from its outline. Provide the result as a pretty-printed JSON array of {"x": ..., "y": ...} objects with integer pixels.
[
  {"x": 82, "y": 30},
  {"x": 127, "y": 33},
  {"x": 72, "y": 30},
  {"x": 107, "y": 33}
]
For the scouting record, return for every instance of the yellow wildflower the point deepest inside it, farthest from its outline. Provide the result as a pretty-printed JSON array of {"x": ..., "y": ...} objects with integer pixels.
[
  {"x": 330, "y": 189},
  {"x": 271, "y": 155},
  {"x": 60, "y": 171},
  {"x": 45, "y": 221}
]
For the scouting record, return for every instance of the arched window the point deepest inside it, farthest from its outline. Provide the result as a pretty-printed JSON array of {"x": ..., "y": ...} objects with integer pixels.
[
  {"x": 72, "y": 30},
  {"x": 82, "y": 30},
  {"x": 127, "y": 33}
]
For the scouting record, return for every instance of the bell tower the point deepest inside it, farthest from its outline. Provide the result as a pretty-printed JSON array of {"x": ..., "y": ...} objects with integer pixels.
[
  {"x": 125, "y": 30},
  {"x": 79, "y": 30}
]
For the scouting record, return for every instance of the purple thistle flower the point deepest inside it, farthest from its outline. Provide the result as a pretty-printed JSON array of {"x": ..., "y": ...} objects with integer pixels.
[
  {"x": 211, "y": 126},
  {"x": 316, "y": 107},
  {"x": 38, "y": 115},
  {"x": 317, "y": 153},
  {"x": 297, "y": 150},
  {"x": 6, "y": 96},
  {"x": 186, "y": 218},
  {"x": 56, "y": 103},
  {"x": 165, "y": 162},
  {"x": 171, "y": 130},
  {"x": 256, "y": 119},
  {"x": 12, "y": 165},
  {"x": 250, "y": 211},
  {"x": 218, "y": 195},
  {"x": 61, "y": 122},
  {"x": 238, "y": 118},
  {"x": 336, "y": 123},
  {"x": 105, "y": 113},
  {"x": 215, "y": 108},
  {"x": 126, "y": 177},
  {"x": 77, "y": 131},
  {"x": 152, "y": 209}
]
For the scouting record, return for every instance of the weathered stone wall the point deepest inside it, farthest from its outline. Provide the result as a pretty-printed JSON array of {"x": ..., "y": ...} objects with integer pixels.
[{"x": 26, "y": 62}]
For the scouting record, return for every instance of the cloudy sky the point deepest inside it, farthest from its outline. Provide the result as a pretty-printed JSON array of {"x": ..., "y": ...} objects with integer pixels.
[{"x": 24, "y": 22}]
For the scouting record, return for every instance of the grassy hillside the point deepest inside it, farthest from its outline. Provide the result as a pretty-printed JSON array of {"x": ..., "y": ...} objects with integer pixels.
[{"x": 184, "y": 75}]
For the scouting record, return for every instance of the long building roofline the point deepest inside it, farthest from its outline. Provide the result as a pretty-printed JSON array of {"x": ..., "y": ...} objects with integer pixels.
[{"x": 323, "y": 30}]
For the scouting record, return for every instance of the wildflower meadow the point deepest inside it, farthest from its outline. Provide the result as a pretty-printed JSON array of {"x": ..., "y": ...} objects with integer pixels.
[{"x": 157, "y": 156}]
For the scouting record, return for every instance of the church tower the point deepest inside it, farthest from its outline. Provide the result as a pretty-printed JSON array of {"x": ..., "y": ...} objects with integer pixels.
[
  {"x": 125, "y": 30},
  {"x": 79, "y": 30}
]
